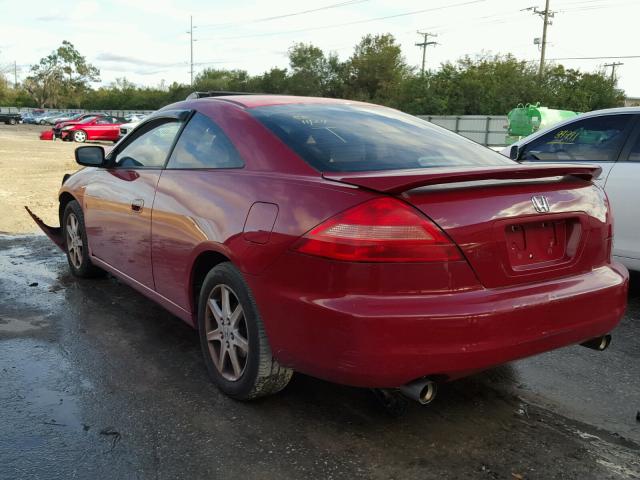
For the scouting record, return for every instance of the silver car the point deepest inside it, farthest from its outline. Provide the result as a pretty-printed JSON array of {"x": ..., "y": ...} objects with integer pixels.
[{"x": 608, "y": 138}]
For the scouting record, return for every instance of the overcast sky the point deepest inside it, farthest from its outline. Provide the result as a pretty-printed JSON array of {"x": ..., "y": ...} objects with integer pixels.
[{"x": 146, "y": 40}]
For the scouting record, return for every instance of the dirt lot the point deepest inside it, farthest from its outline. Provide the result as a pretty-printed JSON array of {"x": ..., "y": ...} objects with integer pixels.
[{"x": 30, "y": 174}]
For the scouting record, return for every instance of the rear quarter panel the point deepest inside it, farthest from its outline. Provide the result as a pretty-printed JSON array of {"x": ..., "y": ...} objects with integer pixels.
[{"x": 198, "y": 211}]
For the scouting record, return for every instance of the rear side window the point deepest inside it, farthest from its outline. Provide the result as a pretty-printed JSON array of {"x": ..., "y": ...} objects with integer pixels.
[
  {"x": 348, "y": 138},
  {"x": 204, "y": 145},
  {"x": 596, "y": 139},
  {"x": 634, "y": 154}
]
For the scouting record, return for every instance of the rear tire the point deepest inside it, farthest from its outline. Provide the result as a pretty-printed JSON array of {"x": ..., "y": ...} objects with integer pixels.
[
  {"x": 236, "y": 349},
  {"x": 76, "y": 244}
]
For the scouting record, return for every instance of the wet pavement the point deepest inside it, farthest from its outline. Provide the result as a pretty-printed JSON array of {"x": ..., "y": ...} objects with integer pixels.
[{"x": 98, "y": 382}]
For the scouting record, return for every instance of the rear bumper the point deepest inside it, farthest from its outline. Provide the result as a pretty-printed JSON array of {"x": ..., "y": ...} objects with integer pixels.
[{"x": 389, "y": 340}]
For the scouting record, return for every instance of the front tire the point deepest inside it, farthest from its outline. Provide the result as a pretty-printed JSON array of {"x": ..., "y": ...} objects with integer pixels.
[
  {"x": 236, "y": 349},
  {"x": 75, "y": 237},
  {"x": 79, "y": 136}
]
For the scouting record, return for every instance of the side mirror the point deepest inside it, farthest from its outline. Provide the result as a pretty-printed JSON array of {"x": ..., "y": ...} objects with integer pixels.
[
  {"x": 90, "y": 156},
  {"x": 514, "y": 153}
]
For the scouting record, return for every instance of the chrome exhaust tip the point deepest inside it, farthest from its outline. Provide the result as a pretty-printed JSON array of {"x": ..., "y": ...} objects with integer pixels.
[
  {"x": 422, "y": 391},
  {"x": 598, "y": 343}
]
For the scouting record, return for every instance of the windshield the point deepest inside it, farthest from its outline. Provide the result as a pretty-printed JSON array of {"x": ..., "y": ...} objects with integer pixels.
[
  {"x": 348, "y": 138},
  {"x": 87, "y": 120}
]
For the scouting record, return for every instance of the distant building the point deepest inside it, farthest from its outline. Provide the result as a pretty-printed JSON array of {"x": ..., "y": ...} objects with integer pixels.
[{"x": 632, "y": 102}]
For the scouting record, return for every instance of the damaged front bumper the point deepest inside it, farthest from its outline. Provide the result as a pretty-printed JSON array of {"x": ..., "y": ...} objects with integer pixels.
[{"x": 54, "y": 233}]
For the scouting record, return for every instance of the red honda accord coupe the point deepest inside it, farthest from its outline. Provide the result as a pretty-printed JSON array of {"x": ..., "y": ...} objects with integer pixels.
[{"x": 344, "y": 240}]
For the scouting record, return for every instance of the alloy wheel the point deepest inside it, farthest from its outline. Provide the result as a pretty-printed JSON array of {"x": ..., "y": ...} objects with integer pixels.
[
  {"x": 226, "y": 332},
  {"x": 79, "y": 136},
  {"x": 75, "y": 246}
]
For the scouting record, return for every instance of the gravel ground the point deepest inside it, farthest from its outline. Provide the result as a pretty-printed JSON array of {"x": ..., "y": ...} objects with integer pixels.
[{"x": 31, "y": 171}]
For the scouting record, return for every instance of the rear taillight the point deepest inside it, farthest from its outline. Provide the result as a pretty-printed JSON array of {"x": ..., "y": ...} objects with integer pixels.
[{"x": 380, "y": 230}]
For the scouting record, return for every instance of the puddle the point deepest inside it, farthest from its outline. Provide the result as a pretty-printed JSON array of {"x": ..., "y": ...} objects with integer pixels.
[
  {"x": 20, "y": 325},
  {"x": 41, "y": 386},
  {"x": 25, "y": 265}
]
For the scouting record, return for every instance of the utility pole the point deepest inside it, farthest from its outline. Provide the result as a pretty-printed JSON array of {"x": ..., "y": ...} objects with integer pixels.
[
  {"x": 424, "y": 44},
  {"x": 191, "y": 40},
  {"x": 15, "y": 75},
  {"x": 613, "y": 69},
  {"x": 546, "y": 14}
]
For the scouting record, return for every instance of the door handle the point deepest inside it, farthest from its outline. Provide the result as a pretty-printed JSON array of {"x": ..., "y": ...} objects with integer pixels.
[{"x": 137, "y": 204}]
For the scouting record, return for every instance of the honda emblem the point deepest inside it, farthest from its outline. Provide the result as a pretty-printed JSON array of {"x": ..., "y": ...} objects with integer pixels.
[{"x": 540, "y": 203}]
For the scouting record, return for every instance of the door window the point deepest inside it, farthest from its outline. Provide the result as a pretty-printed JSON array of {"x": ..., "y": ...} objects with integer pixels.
[
  {"x": 149, "y": 149},
  {"x": 596, "y": 139},
  {"x": 203, "y": 144}
]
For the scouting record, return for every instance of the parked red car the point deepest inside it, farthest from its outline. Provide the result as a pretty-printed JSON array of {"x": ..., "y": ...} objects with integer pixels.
[
  {"x": 344, "y": 240},
  {"x": 57, "y": 128},
  {"x": 105, "y": 128}
]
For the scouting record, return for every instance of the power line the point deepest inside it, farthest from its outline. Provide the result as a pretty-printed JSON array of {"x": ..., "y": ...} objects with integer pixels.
[
  {"x": 287, "y": 15},
  {"x": 357, "y": 22},
  {"x": 595, "y": 58}
]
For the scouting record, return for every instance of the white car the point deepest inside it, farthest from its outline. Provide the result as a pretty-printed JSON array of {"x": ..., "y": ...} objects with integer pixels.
[
  {"x": 125, "y": 128},
  {"x": 608, "y": 138}
]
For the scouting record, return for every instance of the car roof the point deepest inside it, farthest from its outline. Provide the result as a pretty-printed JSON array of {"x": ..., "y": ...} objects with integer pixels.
[{"x": 253, "y": 101}]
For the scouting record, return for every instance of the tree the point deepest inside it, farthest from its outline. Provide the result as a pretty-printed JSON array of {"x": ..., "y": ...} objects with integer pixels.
[
  {"x": 275, "y": 80},
  {"x": 62, "y": 78},
  {"x": 314, "y": 73},
  {"x": 574, "y": 90},
  {"x": 376, "y": 69},
  {"x": 225, "y": 80},
  {"x": 4, "y": 89},
  {"x": 494, "y": 84}
]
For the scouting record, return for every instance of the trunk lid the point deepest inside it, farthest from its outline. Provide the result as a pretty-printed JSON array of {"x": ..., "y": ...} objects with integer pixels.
[{"x": 513, "y": 224}]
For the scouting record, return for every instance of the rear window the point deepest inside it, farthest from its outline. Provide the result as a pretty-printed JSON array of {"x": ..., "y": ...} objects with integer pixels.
[{"x": 349, "y": 138}]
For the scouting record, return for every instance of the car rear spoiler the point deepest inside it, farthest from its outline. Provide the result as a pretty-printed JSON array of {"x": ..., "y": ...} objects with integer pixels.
[
  {"x": 398, "y": 181},
  {"x": 54, "y": 233}
]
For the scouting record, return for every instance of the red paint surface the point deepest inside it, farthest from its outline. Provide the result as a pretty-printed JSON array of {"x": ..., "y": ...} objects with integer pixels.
[
  {"x": 46, "y": 135},
  {"x": 371, "y": 324}
]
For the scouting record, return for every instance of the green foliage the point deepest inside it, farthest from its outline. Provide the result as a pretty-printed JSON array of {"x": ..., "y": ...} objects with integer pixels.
[
  {"x": 494, "y": 84},
  {"x": 275, "y": 80},
  {"x": 4, "y": 89},
  {"x": 376, "y": 71},
  {"x": 61, "y": 78},
  {"x": 313, "y": 73},
  {"x": 213, "y": 79}
]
